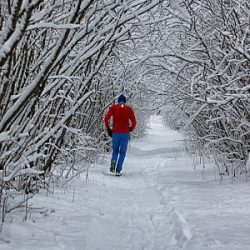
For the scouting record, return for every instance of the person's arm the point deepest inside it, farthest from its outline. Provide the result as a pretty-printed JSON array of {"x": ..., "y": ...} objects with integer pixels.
[
  {"x": 132, "y": 118},
  {"x": 106, "y": 119}
]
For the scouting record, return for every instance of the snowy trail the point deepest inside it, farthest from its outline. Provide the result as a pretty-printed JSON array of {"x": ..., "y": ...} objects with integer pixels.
[{"x": 159, "y": 203}]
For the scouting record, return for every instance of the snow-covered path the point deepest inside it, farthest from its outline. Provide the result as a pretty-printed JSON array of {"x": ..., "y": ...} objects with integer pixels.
[{"x": 159, "y": 203}]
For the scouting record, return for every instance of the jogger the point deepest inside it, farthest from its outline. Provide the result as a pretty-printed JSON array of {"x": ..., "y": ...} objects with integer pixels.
[{"x": 123, "y": 122}]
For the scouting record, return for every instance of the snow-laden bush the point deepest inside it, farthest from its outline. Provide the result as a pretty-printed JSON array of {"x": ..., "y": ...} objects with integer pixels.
[
  {"x": 208, "y": 64},
  {"x": 56, "y": 81}
]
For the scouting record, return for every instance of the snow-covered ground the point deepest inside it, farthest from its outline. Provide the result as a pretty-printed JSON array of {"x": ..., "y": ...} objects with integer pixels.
[{"x": 159, "y": 203}]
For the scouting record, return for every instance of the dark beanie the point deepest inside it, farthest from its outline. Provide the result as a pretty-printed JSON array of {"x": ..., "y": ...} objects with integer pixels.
[{"x": 122, "y": 99}]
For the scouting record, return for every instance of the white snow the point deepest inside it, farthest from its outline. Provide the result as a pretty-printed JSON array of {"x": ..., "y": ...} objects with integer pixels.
[{"x": 159, "y": 203}]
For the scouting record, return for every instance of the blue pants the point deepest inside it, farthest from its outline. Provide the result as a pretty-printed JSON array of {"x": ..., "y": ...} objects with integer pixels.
[{"x": 119, "y": 144}]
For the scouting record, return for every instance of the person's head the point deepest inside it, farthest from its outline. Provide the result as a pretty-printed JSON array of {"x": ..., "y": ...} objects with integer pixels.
[{"x": 122, "y": 99}]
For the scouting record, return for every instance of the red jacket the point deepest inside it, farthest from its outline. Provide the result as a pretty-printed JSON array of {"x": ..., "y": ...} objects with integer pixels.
[{"x": 123, "y": 118}]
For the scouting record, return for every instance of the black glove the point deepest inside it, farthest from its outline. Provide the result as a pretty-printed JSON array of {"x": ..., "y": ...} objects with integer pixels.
[{"x": 109, "y": 132}]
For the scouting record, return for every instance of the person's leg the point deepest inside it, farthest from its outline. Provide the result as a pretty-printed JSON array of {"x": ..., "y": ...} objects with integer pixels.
[
  {"x": 115, "y": 146},
  {"x": 123, "y": 150}
]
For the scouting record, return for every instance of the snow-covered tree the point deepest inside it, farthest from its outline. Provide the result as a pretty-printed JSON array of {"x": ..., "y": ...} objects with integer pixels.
[
  {"x": 58, "y": 74},
  {"x": 203, "y": 61}
]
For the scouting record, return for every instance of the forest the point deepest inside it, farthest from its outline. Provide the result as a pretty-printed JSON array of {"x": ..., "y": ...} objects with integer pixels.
[{"x": 63, "y": 63}]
